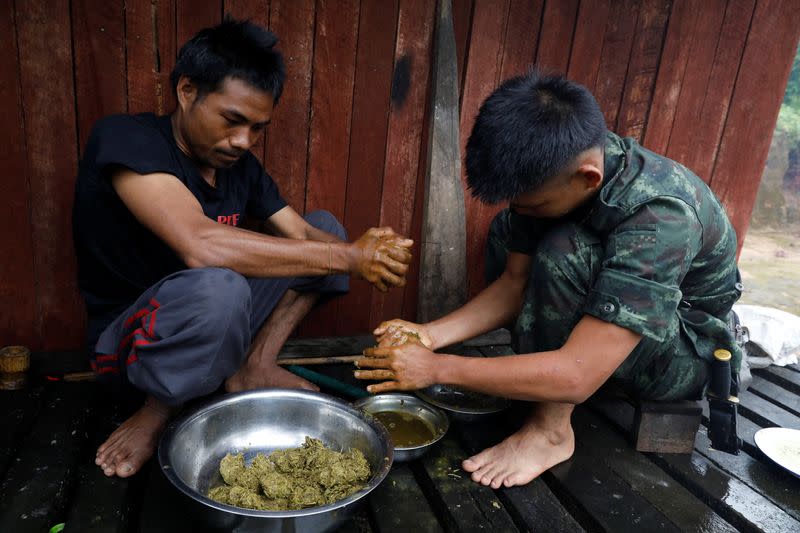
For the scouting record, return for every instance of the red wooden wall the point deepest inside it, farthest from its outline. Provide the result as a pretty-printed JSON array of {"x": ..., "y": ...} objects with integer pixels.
[{"x": 699, "y": 80}]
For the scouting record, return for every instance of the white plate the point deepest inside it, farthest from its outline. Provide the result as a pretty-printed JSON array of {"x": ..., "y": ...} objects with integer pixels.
[{"x": 782, "y": 445}]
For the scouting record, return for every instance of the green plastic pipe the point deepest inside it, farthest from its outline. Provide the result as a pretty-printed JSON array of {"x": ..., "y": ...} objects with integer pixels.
[{"x": 328, "y": 382}]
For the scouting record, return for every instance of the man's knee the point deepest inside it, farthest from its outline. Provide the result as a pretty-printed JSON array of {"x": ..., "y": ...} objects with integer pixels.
[
  {"x": 197, "y": 334},
  {"x": 325, "y": 221},
  {"x": 218, "y": 295},
  {"x": 564, "y": 265}
]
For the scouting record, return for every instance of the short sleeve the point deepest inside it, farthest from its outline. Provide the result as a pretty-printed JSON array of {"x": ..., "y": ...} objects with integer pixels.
[
  {"x": 264, "y": 198},
  {"x": 646, "y": 259},
  {"x": 132, "y": 142},
  {"x": 525, "y": 233}
]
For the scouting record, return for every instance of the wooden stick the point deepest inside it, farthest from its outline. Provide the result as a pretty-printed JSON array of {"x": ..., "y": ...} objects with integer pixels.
[
  {"x": 333, "y": 359},
  {"x": 79, "y": 376}
]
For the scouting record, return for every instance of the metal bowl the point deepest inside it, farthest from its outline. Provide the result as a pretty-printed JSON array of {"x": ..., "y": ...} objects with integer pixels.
[
  {"x": 434, "y": 418},
  {"x": 263, "y": 421},
  {"x": 462, "y": 404}
]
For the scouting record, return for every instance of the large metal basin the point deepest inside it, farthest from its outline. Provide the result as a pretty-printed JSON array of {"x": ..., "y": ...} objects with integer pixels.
[{"x": 264, "y": 421}]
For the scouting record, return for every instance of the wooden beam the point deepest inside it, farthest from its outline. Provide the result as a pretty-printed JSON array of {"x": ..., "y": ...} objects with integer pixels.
[
  {"x": 412, "y": 62},
  {"x": 48, "y": 102},
  {"x": 335, "y": 42},
  {"x": 367, "y": 148},
  {"x": 150, "y": 51},
  {"x": 760, "y": 85},
  {"x": 18, "y": 324}
]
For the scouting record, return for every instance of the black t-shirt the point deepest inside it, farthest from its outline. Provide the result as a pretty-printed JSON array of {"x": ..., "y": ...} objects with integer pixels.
[{"x": 118, "y": 258}]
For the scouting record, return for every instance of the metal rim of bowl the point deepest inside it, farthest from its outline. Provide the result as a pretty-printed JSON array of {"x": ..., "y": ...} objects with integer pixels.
[
  {"x": 434, "y": 409},
  {"x": 178, "y": 483},
  {"x": 421, "y": 394}
]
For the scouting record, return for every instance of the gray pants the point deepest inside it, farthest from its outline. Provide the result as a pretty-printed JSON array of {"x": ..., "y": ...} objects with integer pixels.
[{"x": 190, "y": 331}]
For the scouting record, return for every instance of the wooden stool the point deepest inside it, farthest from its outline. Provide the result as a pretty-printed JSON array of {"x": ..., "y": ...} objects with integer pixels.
[{"x": 666, "y": 427}]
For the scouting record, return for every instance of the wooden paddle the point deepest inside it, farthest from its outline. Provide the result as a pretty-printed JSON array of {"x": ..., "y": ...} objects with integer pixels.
[{"x": 443, "y": 264}]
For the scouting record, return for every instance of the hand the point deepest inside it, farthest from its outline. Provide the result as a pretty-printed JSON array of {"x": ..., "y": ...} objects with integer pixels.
[
  {"x": 381, "y": 257},
  {"x": 396, "y": 332},
  {"x": 407, "y": 367}
]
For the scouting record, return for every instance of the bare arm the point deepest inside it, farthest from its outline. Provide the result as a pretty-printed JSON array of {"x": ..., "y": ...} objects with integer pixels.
[
  {"x": 571, "y": 374},
  {"x": 495, "y": 306},
  {"x": 166, "y": 207},
  {"x": 289, "y": 224}
]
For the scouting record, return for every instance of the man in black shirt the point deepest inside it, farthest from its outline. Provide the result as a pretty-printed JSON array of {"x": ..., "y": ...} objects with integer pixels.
[{"x": 180, "y": 298}]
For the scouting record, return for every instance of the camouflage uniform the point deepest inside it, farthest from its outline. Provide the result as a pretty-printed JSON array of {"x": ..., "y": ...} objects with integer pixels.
[{"x": 653, "y": 252}]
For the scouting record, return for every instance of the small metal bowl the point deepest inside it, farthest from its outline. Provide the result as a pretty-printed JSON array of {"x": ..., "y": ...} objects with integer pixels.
[
  {"x": 263, "y": 421},
  {"x": 434, "y": 418}
]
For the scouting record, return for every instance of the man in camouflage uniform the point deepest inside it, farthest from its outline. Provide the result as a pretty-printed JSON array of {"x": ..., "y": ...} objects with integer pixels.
[
  {"x": 613, "y": 263},
  {"x": 657, "y": 254}
]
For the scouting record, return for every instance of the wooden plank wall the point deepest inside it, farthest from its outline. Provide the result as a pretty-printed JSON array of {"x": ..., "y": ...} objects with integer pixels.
[{"x": 699, "y": 80}]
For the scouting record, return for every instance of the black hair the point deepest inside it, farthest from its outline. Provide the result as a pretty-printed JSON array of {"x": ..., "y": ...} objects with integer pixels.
[
  {"x": 237, "y": 49},
  {"x": 527, "y": 131}
]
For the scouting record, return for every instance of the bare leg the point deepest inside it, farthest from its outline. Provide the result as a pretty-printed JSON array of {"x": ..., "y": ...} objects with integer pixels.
[
  {"x": 261, "y": 370},
  {"x": 133, "y": 443},
  {"x": 545, "y": 440}
]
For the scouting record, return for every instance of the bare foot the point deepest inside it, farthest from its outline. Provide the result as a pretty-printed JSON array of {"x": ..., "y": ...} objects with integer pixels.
[
  {"x": 522, "y": 457},
  {"x": 133, "y": 443},
  {"x": 249, "y": 378}
]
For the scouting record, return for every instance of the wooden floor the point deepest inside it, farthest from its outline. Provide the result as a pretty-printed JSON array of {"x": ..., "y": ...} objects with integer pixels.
[{"x": 50, "y": 431}]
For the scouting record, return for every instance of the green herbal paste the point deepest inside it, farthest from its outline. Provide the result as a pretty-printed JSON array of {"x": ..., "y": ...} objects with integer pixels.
[{"x": 291, "y": 479}]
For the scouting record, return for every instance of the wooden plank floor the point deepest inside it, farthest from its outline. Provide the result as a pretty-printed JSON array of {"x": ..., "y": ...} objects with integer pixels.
[{"x": 51, "y": 430}]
